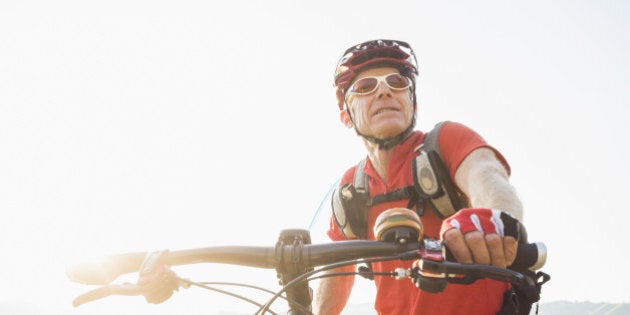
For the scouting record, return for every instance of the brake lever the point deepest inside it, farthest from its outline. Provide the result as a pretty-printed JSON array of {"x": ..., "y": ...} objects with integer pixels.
[
  {"x": 432, "y": 271},
  {"x": 128, "y": 289},
  {"x": 474, "y": 271}
]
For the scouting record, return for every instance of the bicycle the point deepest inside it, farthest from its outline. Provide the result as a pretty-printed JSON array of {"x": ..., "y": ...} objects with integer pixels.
[{"x": 295, "y": 259}]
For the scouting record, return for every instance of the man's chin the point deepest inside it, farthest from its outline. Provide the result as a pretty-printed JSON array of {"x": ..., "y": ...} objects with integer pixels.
[{"x": 388, "y": 130}]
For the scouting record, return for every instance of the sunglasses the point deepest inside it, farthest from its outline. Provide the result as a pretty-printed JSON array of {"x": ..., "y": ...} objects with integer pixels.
[{"x": 367, "y": 85}]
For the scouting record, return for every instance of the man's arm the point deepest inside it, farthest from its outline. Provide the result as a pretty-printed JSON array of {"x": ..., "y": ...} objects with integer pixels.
[
  {"x": 333, "y": 293},
  {"x": 485, "y": 181}
]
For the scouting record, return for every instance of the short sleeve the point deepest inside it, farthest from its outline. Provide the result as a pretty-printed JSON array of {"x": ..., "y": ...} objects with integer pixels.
[{"x": 457, "y": 141}]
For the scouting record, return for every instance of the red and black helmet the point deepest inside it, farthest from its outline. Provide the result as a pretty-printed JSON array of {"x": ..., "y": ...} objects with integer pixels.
[{"x": 373, "y": 54}]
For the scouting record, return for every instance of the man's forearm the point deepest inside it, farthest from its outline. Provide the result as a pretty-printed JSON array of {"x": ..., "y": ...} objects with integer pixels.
[
  {"x": 485, "y": 181},
  {"x": 333, "y": 293}
]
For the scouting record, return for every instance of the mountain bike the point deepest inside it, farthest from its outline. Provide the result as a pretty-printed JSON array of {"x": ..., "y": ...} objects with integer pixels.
[{"x": 294, "y": 258}]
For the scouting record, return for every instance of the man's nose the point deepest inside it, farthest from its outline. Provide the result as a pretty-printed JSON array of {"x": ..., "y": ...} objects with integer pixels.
[{"x": 383, "y": 90}]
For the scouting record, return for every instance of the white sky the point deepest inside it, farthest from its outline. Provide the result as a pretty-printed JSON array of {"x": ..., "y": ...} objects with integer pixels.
[{"x": 151, "y": 125}]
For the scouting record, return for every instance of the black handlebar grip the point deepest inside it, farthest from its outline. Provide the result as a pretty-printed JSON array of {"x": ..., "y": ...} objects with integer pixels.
[{"x": 530, "y": 256}]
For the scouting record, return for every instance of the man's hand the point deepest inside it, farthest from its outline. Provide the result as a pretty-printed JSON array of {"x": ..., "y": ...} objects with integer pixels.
[
  {"x": 482, "y": 236},
  {"x": 157, "y": 281}
]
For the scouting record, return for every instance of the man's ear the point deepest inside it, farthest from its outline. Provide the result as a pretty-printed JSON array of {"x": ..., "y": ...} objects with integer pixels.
[{"x": 345, "y": 118}]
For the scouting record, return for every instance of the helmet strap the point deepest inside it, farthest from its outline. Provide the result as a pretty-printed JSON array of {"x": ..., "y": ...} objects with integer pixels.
[{"x": 388, "y": 143}]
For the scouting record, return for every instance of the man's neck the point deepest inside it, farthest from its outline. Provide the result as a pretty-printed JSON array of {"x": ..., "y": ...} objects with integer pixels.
[{"x": 379, "y": 158}]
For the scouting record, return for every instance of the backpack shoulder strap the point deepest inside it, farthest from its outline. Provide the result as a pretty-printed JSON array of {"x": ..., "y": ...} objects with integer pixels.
[
  {"x": 431, "y": 140},
  {"x": 349, "y": 204},
  {"x": 360, "y": 181},
  {"x": 431, "y": 177}
]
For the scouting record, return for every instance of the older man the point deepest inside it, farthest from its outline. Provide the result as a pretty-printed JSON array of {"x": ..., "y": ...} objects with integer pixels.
[{"x": 376, "y": 85}]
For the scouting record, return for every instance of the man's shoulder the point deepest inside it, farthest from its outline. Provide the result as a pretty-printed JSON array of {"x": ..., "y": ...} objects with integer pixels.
[
  {"x": 451, "y": 132},
  {"x": 450, "y": 126},
  {"x": 348, "y": 175}
]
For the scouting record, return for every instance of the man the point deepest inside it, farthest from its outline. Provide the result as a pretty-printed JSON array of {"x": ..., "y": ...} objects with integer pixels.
[{"x": 375, "y": 84}]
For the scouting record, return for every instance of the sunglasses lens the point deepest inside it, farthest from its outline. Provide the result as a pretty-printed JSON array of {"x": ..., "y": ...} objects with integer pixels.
[
  {"x": 369, "y": 84},
  {"x": 397, "y": 81},
  {"x": 365, "y": 85}
]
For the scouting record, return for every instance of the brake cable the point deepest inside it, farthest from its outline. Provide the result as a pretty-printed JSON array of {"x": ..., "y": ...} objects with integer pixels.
[
  {"x": 206, "y": 285},
  {"x": 305, "y": 276}
]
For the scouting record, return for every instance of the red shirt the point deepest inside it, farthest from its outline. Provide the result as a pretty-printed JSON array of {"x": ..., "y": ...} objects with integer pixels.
[{"x": 393, "y": 296}]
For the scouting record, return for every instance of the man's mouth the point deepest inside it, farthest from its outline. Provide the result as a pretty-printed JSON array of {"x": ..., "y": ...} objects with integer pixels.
[{"x": 385, "y": 110}]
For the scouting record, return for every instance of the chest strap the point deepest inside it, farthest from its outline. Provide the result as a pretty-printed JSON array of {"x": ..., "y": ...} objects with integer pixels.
[{"x": 361, "y": 186}]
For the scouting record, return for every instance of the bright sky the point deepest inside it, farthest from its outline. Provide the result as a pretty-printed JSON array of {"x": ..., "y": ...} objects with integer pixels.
[{"x": 143, "y": 125}]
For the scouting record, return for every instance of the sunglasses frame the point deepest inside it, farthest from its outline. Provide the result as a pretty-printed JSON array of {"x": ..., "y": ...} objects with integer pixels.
[{"x": 379, "y": 79}]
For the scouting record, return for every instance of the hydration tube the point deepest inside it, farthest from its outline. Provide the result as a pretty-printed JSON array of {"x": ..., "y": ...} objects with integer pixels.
[{"x": 321, "y": 203}]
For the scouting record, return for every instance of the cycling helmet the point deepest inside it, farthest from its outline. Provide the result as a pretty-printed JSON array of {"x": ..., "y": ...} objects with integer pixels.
[{"x": 373, "y": 54}]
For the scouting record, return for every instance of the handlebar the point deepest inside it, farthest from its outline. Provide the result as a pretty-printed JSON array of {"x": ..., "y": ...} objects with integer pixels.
[
  {"x": 532, "y": 255},
  {"x": 294, "y": 259}
]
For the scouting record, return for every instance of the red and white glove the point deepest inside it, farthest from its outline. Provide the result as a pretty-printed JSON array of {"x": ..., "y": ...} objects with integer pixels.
[
  {"x": 485, "y": 220},
  {"x": 480, "y": 235}
]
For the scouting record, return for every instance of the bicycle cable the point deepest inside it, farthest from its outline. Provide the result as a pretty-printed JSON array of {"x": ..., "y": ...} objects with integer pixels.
[
  {"x": 208, "y": 287},
  {"x": 305, "y": 276},
  {"x": 355, "y": 273},
  {"x": 248, "y": 286}
]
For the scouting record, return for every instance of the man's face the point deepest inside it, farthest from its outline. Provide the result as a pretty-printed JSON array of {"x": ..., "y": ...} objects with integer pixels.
[{"x": 384, "y": 113}]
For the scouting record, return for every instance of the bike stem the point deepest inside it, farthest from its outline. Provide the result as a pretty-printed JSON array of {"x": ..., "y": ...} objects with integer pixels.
[{"x": 289, "y": 268}]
